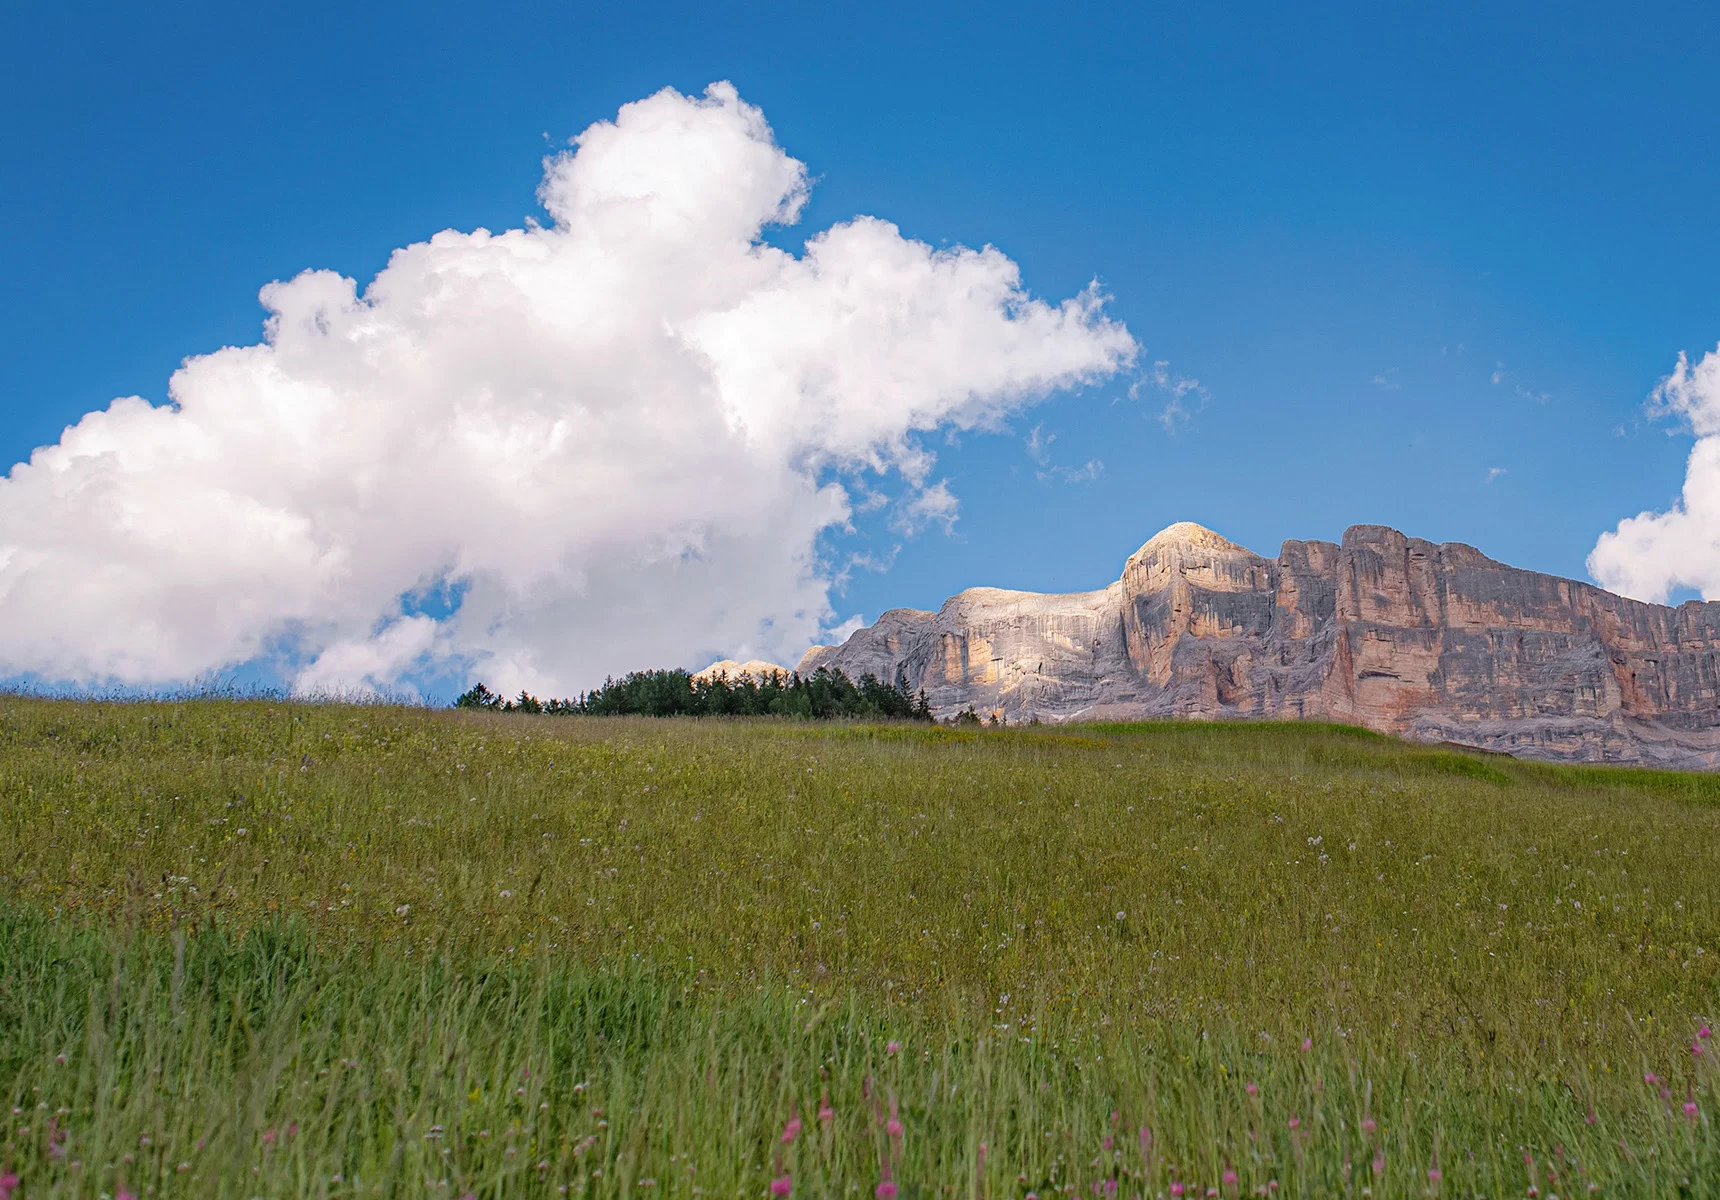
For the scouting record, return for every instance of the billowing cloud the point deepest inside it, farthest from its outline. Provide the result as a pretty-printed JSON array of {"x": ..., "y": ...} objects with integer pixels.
[
  {"x": 1652, "y": 554},
  {"x": 613, "y": 440}
]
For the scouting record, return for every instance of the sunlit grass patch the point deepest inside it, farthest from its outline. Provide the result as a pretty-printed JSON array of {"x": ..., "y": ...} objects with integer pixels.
[{"x": 1057, "y": 924}]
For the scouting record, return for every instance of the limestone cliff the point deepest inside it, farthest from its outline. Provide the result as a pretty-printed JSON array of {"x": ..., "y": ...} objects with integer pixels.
[{"x": 1433, "y": 642}]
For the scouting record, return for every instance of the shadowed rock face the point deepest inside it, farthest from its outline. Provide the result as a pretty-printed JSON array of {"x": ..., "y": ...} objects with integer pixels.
[{"x": 1433, "y": 642}]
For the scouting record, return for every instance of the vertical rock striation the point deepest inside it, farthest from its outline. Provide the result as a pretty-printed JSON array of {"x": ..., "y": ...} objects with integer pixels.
[{"x": 1433, "y": 642}]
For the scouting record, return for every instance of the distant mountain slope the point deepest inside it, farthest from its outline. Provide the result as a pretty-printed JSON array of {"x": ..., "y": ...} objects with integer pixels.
[{"x": 1434, "y": 642}]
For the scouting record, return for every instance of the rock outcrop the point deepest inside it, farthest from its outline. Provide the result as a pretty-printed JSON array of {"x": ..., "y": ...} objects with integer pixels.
[
  {"x": 1431, "y": 642},
  {"x": 753, "y": 668}
]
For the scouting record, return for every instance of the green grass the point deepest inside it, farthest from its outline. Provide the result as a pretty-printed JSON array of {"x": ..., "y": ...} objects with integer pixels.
[{"x": 627, "y": 951}]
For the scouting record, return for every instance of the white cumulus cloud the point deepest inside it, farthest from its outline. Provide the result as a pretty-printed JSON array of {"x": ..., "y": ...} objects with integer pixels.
[
  {"x": 1650, "y": 555},
  {"x": 616, "y": 438}
]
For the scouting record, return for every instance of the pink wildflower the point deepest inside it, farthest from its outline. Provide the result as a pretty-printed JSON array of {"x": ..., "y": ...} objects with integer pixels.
[
  {"x": 1690, "y": 1109},
  {"x": 1696, "y": 1049},
  {"x": 893, "y": 1047},
  {"x": 8, "y": 1181},
  {"x": 1229, "y": 1177},
  {"x": 826, "y": 1114},
  {"x": 1307, "y": 1045},
  {"x": 1379, "y": 1161},
  {"x": 791, "y": 1130},
  {"x": 1110, "y": 1188},
  {"x": 1176, "y": 1188},
  {"x": 1705, "y": 1033},
  {"x": 782, "y": 1185},
  {"x": 1433, "y": 1174},
  {"x": 1368, "y": 1125},
  {"x": 885, "y": 1190},
  {"x": 1253, "y": 1089},
  {"x": 1295, "y": 1123},
  {"x": 1650, "y": 1078}
]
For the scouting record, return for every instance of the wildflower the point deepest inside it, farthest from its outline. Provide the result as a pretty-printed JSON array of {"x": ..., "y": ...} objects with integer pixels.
[
  {"x": 1368, "y": 1125},
  {"x": 1307, "y": 1045},
  {"x": 826, "y": 1114},
  {"x": 782, "y": 1185},
  {"x": 1650, "y": 1078},
  {"x": 1253, "y": 1089},
  {"x": 1696, "y": 1049},
  {"x": 791, "y": 1130},
  {"x": 1379, "y": 1161},
  {"x": 60, "y": 1058},
  {"x": 1122, "y": 916},
  {"x": 8, "y": 1181},
  {"x": 893, "y": 1048},
  {"x": 1433, "y": 1173},
  {"x": 1176, "y": 1188},
  {"x": 885, "y": 1190},
  {"x": 1705, "y": 1033},
  {"x": 1690, "y": 1109},
  {"x": 1295, "y": 1123},
  {"x": 1229, "y": 1178}
]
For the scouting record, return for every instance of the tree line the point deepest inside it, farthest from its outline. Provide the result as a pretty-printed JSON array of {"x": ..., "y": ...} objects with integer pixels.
[{"x": 823, "y": 695}]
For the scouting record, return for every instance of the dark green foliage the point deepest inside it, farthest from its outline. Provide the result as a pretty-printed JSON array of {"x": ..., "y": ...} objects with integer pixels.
[
  {"x": 821, "y": 696},
  {"x": 478, "y": 696}
]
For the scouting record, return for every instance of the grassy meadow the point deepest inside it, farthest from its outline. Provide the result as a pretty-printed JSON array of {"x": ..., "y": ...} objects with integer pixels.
[{"x": 272, "y": 949}]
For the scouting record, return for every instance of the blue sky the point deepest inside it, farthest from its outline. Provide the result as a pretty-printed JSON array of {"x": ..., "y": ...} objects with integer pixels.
[{"x": 1426, "y": 266}]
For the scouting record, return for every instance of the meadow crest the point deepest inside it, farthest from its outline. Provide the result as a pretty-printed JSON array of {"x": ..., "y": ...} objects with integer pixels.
[{"x": 310, "y": 949}]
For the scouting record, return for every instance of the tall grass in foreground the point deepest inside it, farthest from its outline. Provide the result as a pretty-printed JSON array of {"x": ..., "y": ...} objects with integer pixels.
[
  {"x": 258, "y": 1065},
  {"x": 1441, "y": 974}
]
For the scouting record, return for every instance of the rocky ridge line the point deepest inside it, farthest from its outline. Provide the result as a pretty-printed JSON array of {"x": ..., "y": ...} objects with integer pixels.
[{"x": 1400, "y": 635}]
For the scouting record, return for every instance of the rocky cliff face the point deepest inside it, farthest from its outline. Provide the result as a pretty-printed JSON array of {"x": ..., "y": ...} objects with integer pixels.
[{"x": 1433, "y": 642}]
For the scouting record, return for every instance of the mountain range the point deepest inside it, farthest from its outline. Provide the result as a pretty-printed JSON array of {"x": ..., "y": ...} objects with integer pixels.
[{"x": 1432, "y": 642}]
